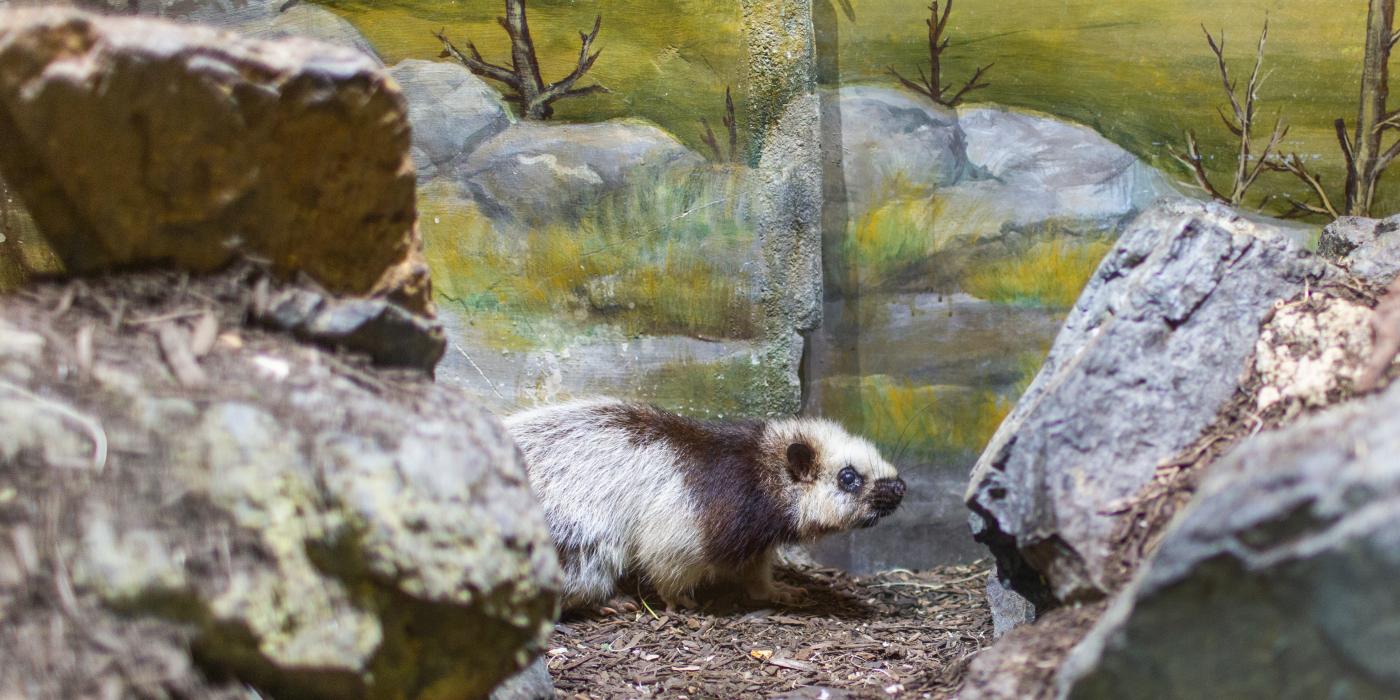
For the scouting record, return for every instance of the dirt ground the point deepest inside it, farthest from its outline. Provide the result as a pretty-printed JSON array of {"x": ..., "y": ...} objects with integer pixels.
[{"x": 899, "y": 634}]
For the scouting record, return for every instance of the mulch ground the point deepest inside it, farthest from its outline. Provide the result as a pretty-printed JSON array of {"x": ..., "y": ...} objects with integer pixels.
[{"x": 899, "y": 634}]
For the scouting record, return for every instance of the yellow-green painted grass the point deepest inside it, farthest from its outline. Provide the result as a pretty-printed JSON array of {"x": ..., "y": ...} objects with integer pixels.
[
  {"x": 920, "y": 241},
  {"x": 663, "y": 257},
  {"x": 913, "y": 421},
  {"x": 1049, "y": 274}
]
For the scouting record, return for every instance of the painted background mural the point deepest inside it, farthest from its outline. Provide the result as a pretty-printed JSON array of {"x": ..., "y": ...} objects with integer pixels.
[
  {"x": 988, "y": 155},
  {"x": 599, "y": 241},
  {"x": 608, "y": 220}
]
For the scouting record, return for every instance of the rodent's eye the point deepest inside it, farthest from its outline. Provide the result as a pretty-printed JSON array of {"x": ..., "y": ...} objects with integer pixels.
[{"x": 850, "y": 480}]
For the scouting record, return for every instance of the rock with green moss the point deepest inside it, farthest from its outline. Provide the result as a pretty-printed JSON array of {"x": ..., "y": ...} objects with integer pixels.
[{"x": 295, "y": 524}]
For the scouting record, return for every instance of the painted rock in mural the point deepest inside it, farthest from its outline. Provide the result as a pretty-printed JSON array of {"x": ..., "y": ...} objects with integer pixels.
[
  {"x": 307, "y": 166},
  {"x": 893, "y": 143},
  {"x": 1034, "y": 169},
  {"x": 1154, "y": 347},
  {"x": 452, "y": 112},
  {"x": 1277, "y": 581},
  {"x": 538, "y": 173}
]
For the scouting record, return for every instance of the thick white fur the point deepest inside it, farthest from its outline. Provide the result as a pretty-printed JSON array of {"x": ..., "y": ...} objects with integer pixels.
[{"x": 623, "y": 508}]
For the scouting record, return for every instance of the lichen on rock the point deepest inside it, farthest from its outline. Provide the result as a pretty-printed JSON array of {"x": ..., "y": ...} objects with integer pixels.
[{"x": 1310, "y": 350}]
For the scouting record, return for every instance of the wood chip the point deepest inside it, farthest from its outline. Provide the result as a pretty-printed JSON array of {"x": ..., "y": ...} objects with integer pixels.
[
  {"x": 206, "y": 332},
  {"x": 83, "y": 346},
  {"x": 860, "y": 637},
  {"x": 231, "y": 341},
  {"x": 65, "y": 302},
  {"x": 789, "y": 620},
  {"x": 262, "y": 296},
  {"x": 793, "y": 664},
  {"x": 175, "y": 347}
]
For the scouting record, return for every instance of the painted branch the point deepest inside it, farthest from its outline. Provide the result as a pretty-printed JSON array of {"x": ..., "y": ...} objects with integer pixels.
[
  {"x": 1262, "y": 163},
  {"x": 566, "y": 85},
  {"x": 523, "y": 76},
  {"x": 731, "y": 124},
  {"x": 1293, "y": 164},
  {"x": 972, "y": 84},
  {"x": 475, "y": 63},
  {"x": 1192, "y": 160},
  {"x": 709, "y": 139},
  {"x": 1366, "y": 157}
]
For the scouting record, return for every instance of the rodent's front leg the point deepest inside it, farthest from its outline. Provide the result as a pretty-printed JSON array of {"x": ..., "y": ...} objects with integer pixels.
[
  {"x": 676, "y": 601},
  {"x": 759, "y": 583}
]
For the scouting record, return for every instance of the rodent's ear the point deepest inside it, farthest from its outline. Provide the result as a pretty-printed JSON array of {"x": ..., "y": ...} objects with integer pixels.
[{"x": 802, "y": 461}]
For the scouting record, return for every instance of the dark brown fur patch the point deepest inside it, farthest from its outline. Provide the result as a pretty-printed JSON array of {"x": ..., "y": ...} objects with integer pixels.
[{"x": 737, "y": 487}]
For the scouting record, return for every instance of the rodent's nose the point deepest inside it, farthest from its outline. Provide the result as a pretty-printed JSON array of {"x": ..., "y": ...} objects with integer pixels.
[{"x": 885, "y": 495}]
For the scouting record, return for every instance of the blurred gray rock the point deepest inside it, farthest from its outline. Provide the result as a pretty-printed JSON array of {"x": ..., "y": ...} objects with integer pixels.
[
  {"x": 390, "y": 335},
  {"x": 1369, "y": 248},
  {"x": 533, "y": 683},
  {"x": 452, "y": 112},
  {"x": 1154, "y": 347},
  {"x": 1277, "y": 581},
  {"x": 1009, "y": 609},
  {"x": 538, "y": 173}
]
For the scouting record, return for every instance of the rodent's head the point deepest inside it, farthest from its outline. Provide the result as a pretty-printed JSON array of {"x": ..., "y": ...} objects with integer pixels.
[{"x": 838, "y": 481}]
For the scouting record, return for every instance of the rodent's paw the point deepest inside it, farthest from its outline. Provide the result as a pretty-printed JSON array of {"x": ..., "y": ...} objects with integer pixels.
[
  {"x": 679, "y": 601},
  {"x": 782, "y": 594},
  {"x": 618, "y": 606}
]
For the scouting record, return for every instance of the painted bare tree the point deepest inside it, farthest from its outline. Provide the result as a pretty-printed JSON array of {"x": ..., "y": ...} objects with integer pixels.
[
  {"x": 528, "y": 89},
  {"x": 731, "y": 125},
  {"x": 1241, "y": 122},
  {"x": 931, "y": 85},
  {"x": 1363, "y": 151}
]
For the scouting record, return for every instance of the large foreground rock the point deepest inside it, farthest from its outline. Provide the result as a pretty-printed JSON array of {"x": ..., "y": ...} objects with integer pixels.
[
  {"x": 292, "y": 523},
  {"x": 1279, "y": 580},
  {"x": 1155, "y": 346},
  {"x": 136, "y": 140},
  {"x": 536, "y": 173},
  {"x": 452, "y": 112}
]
